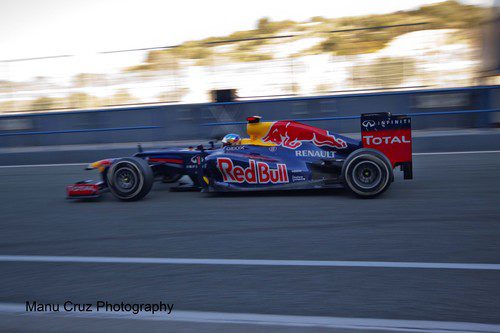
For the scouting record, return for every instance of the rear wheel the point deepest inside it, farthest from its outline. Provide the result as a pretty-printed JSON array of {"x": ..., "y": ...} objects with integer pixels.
[
  {"x": 130, "y": 178},
  {"x": 367, "y": 173}
]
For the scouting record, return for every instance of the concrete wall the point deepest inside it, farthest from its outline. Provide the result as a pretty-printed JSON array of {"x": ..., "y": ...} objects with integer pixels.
[{"x": 183, "y": 121}]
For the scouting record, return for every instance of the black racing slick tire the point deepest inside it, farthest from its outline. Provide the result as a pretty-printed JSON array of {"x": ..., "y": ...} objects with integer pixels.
[
  {"x": 130, "y": 178},
  {"x": 367, "y": 173}
]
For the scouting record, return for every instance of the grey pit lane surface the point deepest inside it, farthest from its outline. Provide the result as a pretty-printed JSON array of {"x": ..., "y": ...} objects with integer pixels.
[{"x": 448, "y": 213}]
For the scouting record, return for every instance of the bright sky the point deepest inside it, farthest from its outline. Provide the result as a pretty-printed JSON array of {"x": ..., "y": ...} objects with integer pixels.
[{"x": 33, "y": 28}]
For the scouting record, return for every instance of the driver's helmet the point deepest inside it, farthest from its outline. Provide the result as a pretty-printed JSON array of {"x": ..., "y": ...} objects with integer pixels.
[{"x": 231, "y": 140}]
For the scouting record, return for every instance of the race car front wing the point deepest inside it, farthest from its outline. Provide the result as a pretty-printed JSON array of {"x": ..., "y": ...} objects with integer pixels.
[{"x": 86, "y": 189}]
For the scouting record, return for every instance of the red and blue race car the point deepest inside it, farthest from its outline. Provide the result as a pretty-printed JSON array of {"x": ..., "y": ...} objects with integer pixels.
[{"x": 277, "y": 155}]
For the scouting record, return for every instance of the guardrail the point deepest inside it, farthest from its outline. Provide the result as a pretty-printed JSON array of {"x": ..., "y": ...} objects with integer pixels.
[
  {"x": 468, "y": 107},
  {"x": 110, "y": 129}
]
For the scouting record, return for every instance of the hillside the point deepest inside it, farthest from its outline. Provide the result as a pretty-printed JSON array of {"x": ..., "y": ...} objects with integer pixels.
[{"x": 350, "y": 41}]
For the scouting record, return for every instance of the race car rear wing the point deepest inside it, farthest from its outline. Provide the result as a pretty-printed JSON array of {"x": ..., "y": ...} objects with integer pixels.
[{"x": 391, "y": 135}]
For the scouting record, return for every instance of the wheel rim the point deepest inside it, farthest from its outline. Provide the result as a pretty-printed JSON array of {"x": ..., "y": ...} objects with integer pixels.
[
  {"x": 367, "y": 175},
  {"x": 125, "y": 179}
]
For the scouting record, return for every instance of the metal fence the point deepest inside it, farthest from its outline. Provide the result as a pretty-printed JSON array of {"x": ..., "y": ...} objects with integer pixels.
[{"x": 418, "y": 56}]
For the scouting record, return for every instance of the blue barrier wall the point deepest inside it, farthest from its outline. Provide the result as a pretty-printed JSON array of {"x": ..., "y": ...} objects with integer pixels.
[{"x": 183, "y": 121}]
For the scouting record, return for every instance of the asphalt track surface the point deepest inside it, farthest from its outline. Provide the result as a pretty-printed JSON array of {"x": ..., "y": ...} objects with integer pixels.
[{"x": 449, "y": 213}]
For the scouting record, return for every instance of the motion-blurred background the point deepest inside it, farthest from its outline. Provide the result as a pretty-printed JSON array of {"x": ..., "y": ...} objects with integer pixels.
[
  {"x": 436, "y": 45},
  {"x": 174, "y": 68}
]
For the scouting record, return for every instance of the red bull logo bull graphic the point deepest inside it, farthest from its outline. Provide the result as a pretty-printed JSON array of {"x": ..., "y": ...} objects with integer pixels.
[
  {"x": 291, "y": 134},
  {"x": 255, "y": 173}
]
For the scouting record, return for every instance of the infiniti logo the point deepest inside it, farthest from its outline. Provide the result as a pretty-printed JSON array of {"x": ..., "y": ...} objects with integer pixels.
[
  {"x": 368, "y": 123},
  {"x": 197, "y": 159}
]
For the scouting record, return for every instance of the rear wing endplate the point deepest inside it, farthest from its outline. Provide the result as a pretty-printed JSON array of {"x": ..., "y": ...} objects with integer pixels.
[{"x": 391, "y": 135}]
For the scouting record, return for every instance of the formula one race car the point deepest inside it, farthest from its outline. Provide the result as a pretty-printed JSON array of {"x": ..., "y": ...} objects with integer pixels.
[{"x": 277, "y": 156}]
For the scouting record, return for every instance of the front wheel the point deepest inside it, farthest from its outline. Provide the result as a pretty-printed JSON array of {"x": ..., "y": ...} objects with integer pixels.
[
  {"x": 367, "y": 173},
  {"x": 130, "y": 178}
]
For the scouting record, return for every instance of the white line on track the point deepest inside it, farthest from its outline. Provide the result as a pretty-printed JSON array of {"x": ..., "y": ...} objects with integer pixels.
[
  {"x": 395, "y": 325},
  {"x": 245, "y": 262},
  {"x": 414, "y": 154}
]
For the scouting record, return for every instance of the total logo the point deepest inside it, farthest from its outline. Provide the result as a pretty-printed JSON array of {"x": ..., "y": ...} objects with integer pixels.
[
  {"x": 376, "y": 140},
  {"x": 255, "y": 173}
]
